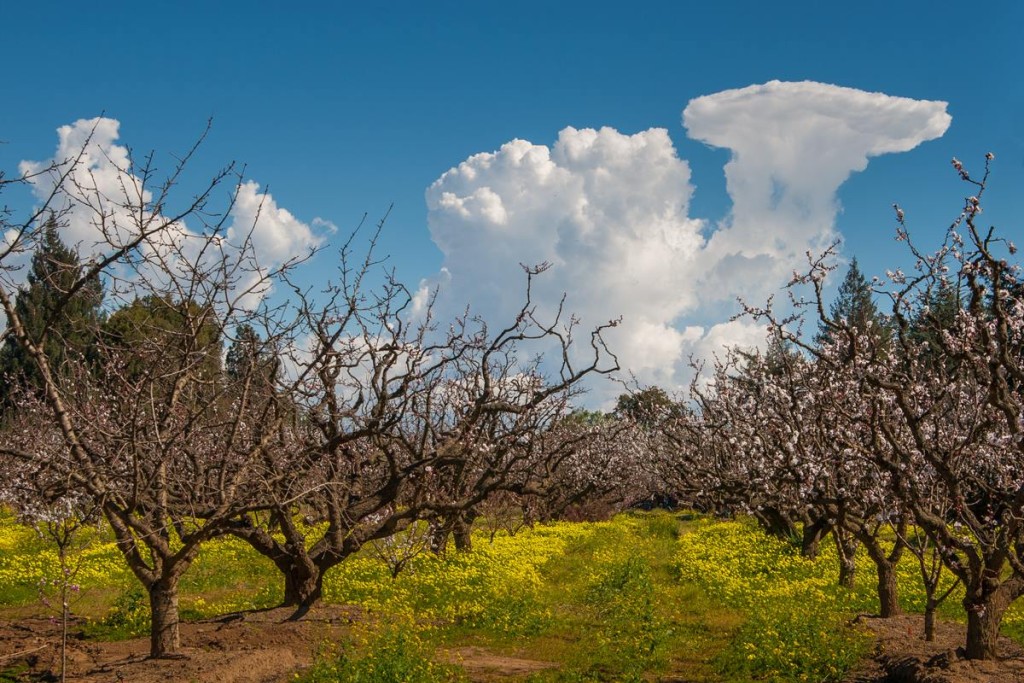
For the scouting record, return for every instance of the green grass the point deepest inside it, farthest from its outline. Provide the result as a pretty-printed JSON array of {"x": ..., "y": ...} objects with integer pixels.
[
  {"x": 395, "y": 653},
  {"x": 13, "y": 674}
]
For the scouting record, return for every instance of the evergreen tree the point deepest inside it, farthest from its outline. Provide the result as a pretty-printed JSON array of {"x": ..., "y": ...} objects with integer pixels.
[
  {"x": 855, "y": 309},
  {"x": 247, "y": 354},
  {"x": 63, "y": 324},
  {"x": 647, "y": 406},
  {"x": 936, "y": 313},
  {"x": 776, "y": 360},
  {"x": 156, "y": 335}
]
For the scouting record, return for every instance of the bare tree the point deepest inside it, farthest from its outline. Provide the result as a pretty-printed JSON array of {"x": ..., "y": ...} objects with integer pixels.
[
  {"x": 397, "y": 420},
  {"x": 485, "y": 423}
]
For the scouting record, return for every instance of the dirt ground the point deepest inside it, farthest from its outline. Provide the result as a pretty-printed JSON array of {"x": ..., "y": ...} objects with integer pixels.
[
  {"x": 254, "y": 647},
  {"x": 257, "y": 646},
  {"x": 262, "y": 647},
  {"x": 902, "y": 655}
]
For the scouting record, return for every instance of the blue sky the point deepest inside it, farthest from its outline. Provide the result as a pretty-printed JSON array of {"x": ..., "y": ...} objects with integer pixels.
[{"x": 343, "y": 109}]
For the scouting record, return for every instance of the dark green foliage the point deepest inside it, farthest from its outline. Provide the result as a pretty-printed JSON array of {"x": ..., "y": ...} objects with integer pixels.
[
  {"x": 127, "y": 618},
  {"x": 395, "y": 654},
  {"x": 158, "y": 336},
  {"x": 62, "y": 321},
  {"x": 248, "y": 356},
  {"x": 779, "y": 355},
  {"x": 647, "y": 406},
  {"x": 15, "y": 673},
  {"x": 943, "y": 303},
  {"x": 937, "y": 313},
  {"x": 855, "y": 310},
  {"x": 777, "y": 360},
  {"x": 585, "y": 417}
]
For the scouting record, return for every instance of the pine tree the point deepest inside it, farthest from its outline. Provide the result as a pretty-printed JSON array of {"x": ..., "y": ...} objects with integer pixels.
[
  {"x": 62, "y": 323},
  {"x": 248, "y": 357},
  {"x": 937, "y": 312},
  {"x": 855, "y": 309}
]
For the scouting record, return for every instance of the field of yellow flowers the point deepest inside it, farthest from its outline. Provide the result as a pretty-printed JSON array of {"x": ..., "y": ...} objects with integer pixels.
[{"x": 640, "y": 597}]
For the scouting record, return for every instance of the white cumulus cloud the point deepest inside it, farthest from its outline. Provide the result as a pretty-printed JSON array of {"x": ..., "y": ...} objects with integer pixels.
[
  {"x": 610, "y": 212},
  {"x": 276, "y": 235}
]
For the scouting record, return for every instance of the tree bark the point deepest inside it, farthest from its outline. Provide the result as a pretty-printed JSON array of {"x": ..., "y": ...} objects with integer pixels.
[
  {"x": 439, "y": 532},
  {"x": 776, "y": 523},
  {"x": 311, "y": 592},
  {"x": 303, "y": 581},
  {"x": 985, "y": 608},
  {"x": 463, "y": 538},
  {"x": 847, "y": 573},
  {"x": 929, "y": 620},
  {"x": 810, "y": 540},
  {"x": 982, "y": 631},
  {"x": 885, "y": 566},
  {"x": 888, "y": 595},
  {"x": 847, "y": 551},
  {"x": 462, "y": 531},
  {"x": 456, "y": 526},
  {"x": 164, "y": 637},
  {"x": 303, "y": 576}
]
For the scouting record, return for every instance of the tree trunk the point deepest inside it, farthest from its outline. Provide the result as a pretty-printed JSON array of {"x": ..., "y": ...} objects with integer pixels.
[
  {"x": 847, "y": 551},
  {"x": 438, "y": 536},
  {"x": 303, "y": 577},
  {"x": 463, "y": 538},
  {"x": 929, "y": 620},
  {"x": 982, "y": 631},
  {"x": 811, "y": 538},
  {"x": 888, "y": 595},
  {"x": 65, "y": 614},
  {"x": 776, "y": 523},
  {"x": 885, "y": 566},
  {"x": 462, "y": 531},
  {"x": 303, "y": 581},
  {"x": 164, "y": 639},
  {"x": 985, "y": 610},
  {"x": 847, "y": 573},
  {"x": 309, "y": 593}
]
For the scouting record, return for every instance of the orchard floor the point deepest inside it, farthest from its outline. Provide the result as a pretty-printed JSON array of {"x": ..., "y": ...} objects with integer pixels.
[
  {"x": 263, "y": 647},
  {"x": 258, "y": 647},
  {"x": 902, "y": 654}
]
